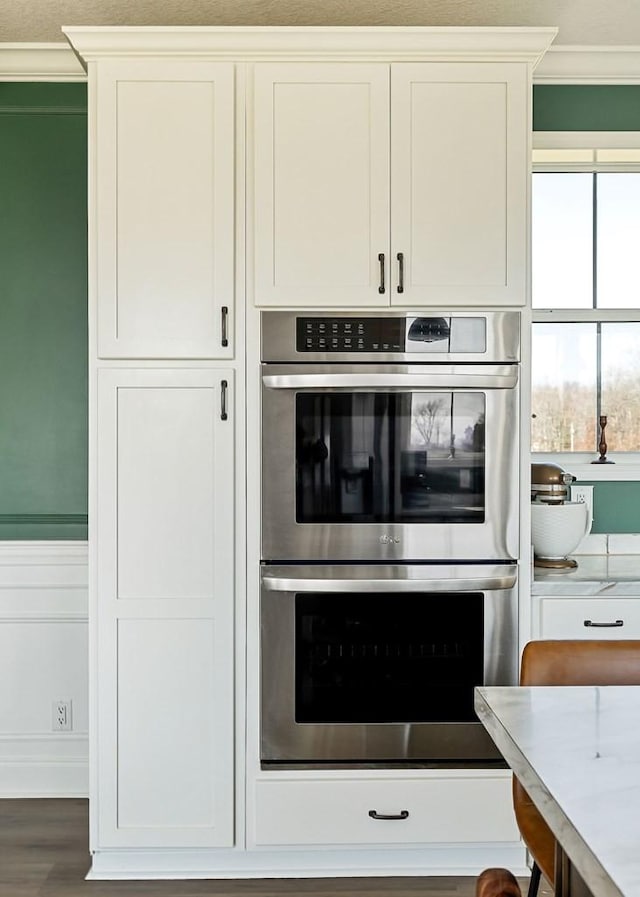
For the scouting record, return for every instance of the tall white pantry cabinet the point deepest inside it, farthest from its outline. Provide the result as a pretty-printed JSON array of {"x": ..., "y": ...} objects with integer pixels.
[
  {"x": 233, "y": 169},
  {"x": 163, "y": 283}
]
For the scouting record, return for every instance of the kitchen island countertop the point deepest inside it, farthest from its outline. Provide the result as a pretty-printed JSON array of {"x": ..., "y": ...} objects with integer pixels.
[{"x": 576, "y": 750}]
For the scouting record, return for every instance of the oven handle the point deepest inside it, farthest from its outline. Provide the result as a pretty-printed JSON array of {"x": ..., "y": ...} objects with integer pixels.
[
  {"x": 276, "y": 581},
  {"x": 504, "y": 379}
]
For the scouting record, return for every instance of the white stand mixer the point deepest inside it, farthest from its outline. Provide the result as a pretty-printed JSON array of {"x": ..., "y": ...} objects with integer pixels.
[{"x": 557, "y": 525}]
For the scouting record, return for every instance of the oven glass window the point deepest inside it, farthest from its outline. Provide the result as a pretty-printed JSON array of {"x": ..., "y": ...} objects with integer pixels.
[
  {"x": 384, "y": 658},
  {"x": 390, "y": 457}
]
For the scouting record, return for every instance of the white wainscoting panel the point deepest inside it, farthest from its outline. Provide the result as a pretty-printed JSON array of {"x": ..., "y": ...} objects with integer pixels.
[{"x": 43, "y": 658}]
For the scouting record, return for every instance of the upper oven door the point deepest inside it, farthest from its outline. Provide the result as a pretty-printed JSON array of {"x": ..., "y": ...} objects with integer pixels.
[{"x": 389, "y": 463}]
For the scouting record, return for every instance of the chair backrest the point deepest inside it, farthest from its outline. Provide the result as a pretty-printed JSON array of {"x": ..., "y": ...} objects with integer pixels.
[{"x": 581, "y": 662}]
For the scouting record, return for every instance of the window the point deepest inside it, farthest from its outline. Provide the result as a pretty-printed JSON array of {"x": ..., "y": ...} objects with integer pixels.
[{"x": 586, "y": 300}]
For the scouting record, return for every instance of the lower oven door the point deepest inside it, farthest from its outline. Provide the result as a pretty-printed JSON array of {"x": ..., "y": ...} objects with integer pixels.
[{"x": 364, "y": 664}]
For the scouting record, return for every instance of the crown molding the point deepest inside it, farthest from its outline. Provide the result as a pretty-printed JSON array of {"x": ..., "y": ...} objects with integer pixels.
[
  {"x": 39, "y": 62},
  {"x": 60, "y": 62},
  {"x": 589, "y": 65},
  {"x": 311, "y": 42},
  {"x": 556, "y": 65}
]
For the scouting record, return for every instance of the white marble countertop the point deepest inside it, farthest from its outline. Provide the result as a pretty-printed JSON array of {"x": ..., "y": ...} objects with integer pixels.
[
  {"x": 577, "y": 753},
  {"x": 602, "y": 575}
]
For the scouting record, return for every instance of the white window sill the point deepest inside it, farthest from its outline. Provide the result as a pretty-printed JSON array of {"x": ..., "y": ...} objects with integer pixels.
[{"x": 626, "y": 467}]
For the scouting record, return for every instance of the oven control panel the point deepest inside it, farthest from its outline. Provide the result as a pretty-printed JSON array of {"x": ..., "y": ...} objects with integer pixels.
[
  {"x": 350, "y": 334},
  {"x": 352, "y": 337}
]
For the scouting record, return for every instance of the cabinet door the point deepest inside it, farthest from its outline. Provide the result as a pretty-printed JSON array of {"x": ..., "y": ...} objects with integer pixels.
[
  {"x": 164, "y": 208},
  {"x": 321, "y": 184},
  {"x": 460, "y": 172},
  {"x": 164, "y": 609}
]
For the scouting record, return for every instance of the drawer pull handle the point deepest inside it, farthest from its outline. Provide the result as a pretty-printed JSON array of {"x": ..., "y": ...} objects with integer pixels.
[
  {"x": 604, "y": 625},
  {"x": 403, "y": 814}
]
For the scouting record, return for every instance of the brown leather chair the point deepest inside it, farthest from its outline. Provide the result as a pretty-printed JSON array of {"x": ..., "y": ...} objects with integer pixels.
[
  {"x": 497, "y": 882},
  {"x": 566, "y": 662}
]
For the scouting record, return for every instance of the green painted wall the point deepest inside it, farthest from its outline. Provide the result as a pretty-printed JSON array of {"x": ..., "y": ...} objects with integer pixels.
[
  {"x": 588, "y": 107},
  {"x": 43, "y": 311}
]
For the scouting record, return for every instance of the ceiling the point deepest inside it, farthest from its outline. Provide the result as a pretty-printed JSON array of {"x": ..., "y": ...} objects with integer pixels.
[{"x": 585, "y": 22}]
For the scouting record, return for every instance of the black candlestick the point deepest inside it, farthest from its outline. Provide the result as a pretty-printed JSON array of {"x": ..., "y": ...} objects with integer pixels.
[{"x": 602, "y": 446}]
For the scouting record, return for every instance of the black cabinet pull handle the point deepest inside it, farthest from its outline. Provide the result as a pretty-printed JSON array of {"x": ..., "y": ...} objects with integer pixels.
[
  {"x": 604, "y": 625},
  {"x": 224, "y": 316},
  {"x": 400, "y": 258},
  {"x": 403, "y": 814},
  {"x": 223, "y": 400},
  {"x": 381, "y": 260}
]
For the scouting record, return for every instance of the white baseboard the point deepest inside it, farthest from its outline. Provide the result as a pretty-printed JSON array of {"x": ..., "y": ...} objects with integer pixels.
[
  {"x": 52, "y": 777},
  {"x": 423, "y": 860}
]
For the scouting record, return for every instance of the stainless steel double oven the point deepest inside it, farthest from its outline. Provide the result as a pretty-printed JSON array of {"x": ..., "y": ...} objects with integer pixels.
[{"x": 389, "y": 533}]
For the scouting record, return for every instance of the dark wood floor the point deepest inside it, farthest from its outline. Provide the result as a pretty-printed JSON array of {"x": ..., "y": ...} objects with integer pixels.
[{"x": 44, "y": 853}]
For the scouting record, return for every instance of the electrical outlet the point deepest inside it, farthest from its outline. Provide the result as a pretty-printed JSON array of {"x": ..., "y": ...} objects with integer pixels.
[
  {"x": 61, "y": 716},
  {"x": 583, "y": 495}
]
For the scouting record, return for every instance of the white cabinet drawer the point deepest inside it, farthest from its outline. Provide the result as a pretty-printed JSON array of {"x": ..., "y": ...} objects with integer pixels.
[
  {"x": 590, "y": 618},
  {"x": 466, "y": 808}
]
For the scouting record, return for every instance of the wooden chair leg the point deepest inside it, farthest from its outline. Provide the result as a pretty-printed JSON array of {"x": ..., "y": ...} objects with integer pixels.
[{"x": 534, "y": 882}]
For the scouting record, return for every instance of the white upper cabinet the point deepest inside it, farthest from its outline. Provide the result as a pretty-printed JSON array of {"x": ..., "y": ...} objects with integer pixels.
[
  {"x": 459, "y": 183},
  {"x": 321, "y": 184},
  {"x": 164, "y": 208},
  {"x": 399, "y": 184}
]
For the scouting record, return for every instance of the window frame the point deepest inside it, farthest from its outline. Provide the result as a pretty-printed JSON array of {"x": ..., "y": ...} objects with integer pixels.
[{"x": 586, "y": 146}]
